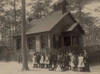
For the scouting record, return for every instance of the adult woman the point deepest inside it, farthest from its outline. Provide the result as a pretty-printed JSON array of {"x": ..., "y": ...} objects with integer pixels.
[{"x": 86, "y": 62}]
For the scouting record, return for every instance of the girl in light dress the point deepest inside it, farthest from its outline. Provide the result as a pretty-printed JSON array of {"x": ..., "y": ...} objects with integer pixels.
[
  {"x": 42, "y": 61},
  {"x": 72, "y": 65},
  {"x": 47, "y": 61},
  {"x": 34, "y": 61},
  {"x": 58, "y": 68},
  {"x": 59, "y": 62},
  {"x": 80, "y": 62}
]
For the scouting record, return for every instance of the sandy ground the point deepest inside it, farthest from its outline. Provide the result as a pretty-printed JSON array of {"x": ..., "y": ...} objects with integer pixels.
[{"x": 15, "y": 68}]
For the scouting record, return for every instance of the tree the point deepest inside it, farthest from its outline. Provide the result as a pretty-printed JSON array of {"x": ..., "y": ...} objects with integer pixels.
[
  {"x": 7, "y": 21},
  {"x": 87, "y": 22},
  {"x": 40, "y": 9},
  {"x": 23, "y": 38}
]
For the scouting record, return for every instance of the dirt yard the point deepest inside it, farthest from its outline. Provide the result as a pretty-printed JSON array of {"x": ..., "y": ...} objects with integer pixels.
[{"x": 15, "y": 68}]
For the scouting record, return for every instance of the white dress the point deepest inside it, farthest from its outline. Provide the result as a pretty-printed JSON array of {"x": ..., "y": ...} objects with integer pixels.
[
  {"x": 46, "y": 60},
  {"x": 58, "y": 68},
  {"x": 81, "y": 61},
  {"x": 71, "y": 62},
  {"x": 34, "y": 60},
  {"x": 42, "y": 60}
]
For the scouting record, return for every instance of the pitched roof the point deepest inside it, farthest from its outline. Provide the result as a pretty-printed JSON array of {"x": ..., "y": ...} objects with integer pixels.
[
  {"x": 45, "y": 24},
  {"x": 72, "y": 27}
]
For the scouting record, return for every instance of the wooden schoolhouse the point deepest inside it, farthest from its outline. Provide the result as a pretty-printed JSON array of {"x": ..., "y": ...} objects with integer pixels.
[{"x": 53, "y": 32}]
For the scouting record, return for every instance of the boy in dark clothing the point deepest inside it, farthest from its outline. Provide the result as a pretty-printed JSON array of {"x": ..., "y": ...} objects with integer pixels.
[{"x": 38, "y": 57}]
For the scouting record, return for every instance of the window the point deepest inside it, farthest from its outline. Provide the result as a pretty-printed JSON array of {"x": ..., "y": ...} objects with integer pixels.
[
  {"x": 75, "y": 40},
  {"x": 18, "y": 43},
  {"x": 54, "y": 42},
  {"x": 44, "y": 41},
  {"x": 31, "y": 43},
  {"x": 57, "y": 41}
]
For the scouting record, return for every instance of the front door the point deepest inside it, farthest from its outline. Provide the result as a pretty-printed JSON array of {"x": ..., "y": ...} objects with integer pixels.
[{"x": 67, "y": 41}]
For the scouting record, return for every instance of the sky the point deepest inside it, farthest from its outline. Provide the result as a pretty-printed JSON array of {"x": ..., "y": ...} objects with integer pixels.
[{"x": 90, "y": 8}]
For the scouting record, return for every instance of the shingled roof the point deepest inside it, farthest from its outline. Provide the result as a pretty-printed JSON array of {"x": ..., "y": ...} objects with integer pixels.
[
  {"x": 45, "y": 24},
  {"x": 72, "y": 27}
]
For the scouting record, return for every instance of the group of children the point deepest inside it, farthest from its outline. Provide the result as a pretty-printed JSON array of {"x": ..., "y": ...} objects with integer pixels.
[
  {"x": 40, "y": 60},
  {"x": 63, "y": 61}
]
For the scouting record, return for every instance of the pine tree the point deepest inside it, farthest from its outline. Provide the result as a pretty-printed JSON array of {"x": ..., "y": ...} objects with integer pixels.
[{"x": 23, "y": 39}]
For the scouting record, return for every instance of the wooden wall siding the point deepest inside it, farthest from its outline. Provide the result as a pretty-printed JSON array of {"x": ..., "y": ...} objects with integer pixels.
[
  {"x": 43, "y": 42},
  {"x": 49, "y": 42},
  {"x": 47, "y": 39},
  {"x": 59, "y": 43},
  {"x": 82, "y": 40},
  {"x": 58, "y": 29},
  {"x": 38, "y": 43},
  {"x": 77, "y": 31}
]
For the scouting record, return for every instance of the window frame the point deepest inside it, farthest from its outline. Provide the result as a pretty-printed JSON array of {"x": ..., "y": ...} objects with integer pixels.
[{"x": 31, "y": 43}]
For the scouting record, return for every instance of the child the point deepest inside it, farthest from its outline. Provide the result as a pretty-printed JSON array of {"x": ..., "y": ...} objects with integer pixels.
[
  {"x": 76, "y": 62},
  {"x": 47, "y": 61},
  {"x": 42, "y": 60},
  {"x": 58, "y": 68},
  {"x": 38, "y": 59},
  {"x": 34, "y": 61},
  {"x": 72, "y": 62},
  {"x": 80, "y": 62}
]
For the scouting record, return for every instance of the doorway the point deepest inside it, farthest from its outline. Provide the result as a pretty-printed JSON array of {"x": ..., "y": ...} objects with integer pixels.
[{"x": 67, "y": 41}]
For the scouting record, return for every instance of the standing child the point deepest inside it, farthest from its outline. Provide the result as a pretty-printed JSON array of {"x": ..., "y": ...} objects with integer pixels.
[
  {"x": 76, "y": 63},
  {"x": 58, "y": 62},
  {"x": 72, "y": 62},
  {"x": 67, "y": 61},
  {"x": 47, "y": 61},
  {"x": 34, "y": 61},
  {"x": 58, "y": 67},
  {"x": 38, "y": 59},
  {"x": 80, "y": 62},
  {"x": 42, "y": 61}
]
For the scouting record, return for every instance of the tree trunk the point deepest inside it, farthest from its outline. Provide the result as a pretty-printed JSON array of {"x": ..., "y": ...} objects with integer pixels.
[
  {"x": 23, "y": 41},
  {"x": 15, "y": 15}
]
